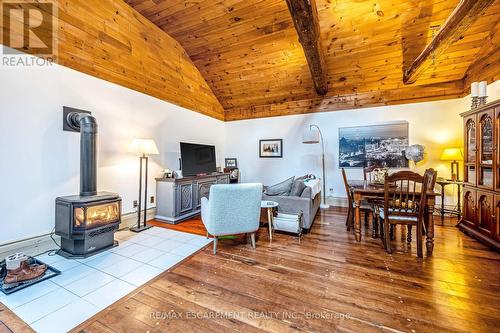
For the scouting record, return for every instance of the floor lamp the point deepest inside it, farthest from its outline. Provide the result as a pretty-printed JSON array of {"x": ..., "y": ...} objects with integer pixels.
[
  {"x": 144, "y": 147},
  {"x": 313, "y": 135}
]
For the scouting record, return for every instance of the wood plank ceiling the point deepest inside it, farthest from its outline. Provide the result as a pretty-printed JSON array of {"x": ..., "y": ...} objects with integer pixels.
[
  {"x": 110, "y": 40},
  {"x": 248, "y": 51}
]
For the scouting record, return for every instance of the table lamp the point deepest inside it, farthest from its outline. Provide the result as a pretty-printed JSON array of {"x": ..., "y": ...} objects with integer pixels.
[
  {"x": 454, "y": 155},
  {"x": 144, "y": 147},
  {"x": 313, "y": 135}
]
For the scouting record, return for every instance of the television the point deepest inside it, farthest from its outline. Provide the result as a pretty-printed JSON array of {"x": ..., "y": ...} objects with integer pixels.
[{"x": 197, "y": 159}]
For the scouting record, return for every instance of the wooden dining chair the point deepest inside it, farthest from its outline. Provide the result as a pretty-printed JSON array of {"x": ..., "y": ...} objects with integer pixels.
[
  {"x": 350, "y": 201},
  {"x": 431, "y": 178},
  {"x": 404, "y": 203},
  {"x": 369, "y": 175},
  {"x": 369, "y": 172}
]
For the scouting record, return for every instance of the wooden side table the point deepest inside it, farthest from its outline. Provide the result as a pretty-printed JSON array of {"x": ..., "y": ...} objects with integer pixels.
[
  {"x": 443, "y": 183},
  {"x": 269, "y": 205}
]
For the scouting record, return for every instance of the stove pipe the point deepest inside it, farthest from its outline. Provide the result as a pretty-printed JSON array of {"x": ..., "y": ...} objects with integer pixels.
[{"x": 87, "y": 126}]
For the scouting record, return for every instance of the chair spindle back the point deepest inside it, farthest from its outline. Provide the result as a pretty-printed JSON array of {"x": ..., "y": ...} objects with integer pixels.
[{"x": 405, "y": 193}]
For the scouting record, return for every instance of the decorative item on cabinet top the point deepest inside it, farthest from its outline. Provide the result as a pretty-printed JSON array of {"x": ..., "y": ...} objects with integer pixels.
[{"x": 478, "y": 92}]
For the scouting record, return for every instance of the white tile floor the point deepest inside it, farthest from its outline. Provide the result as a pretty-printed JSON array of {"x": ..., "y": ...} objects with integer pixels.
[{"x": 87, "y": 286}]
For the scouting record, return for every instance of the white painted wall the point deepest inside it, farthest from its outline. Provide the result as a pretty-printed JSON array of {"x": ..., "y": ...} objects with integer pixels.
[
  {"x": 435, "y": 125},
  {"x": 40, "y": 162}
]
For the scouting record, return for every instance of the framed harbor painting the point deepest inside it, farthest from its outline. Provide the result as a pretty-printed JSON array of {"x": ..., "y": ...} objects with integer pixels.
[{"x": 381, "y": 145}]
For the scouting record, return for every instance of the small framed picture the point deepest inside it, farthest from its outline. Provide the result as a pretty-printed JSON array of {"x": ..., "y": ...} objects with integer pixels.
[
  {"x": 270, "y": 148},
  {"x": 231, "y": 163}
]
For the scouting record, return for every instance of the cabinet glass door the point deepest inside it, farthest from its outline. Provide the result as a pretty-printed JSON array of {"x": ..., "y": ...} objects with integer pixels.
[
  {"x": 470, "y": 151},
  {"x": 485, "y": 178},
  {"x": 471, "y": 141},
  {"x": 486, "y": 141},
  {"x": 496, "y": 152}
]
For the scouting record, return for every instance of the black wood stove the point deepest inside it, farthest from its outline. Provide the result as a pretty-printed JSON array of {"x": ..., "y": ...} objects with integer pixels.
[{"x": 86, "y": 222}]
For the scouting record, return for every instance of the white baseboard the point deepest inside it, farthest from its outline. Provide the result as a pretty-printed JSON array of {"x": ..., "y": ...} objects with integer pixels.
[
  {"x": 337, "y": 201},
  {"x": 42, "y": 243},
  {"x": 130, "y": 219}
]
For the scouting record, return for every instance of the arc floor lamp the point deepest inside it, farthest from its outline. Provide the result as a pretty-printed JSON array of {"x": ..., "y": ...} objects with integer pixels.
[
  {"x": 144, "y": 147},
  {"x": 311, "y": 136}
]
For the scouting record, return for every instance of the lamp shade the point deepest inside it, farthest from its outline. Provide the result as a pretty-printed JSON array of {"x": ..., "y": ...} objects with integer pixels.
[
  {"x": 144, "y": 146},
  {"x": 452, "y": 154},
  {"x": 310, "y": 135}
]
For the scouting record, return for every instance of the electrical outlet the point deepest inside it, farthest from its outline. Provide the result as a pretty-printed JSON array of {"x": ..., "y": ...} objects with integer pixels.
[
  {"x": 135, "y": 204},
  {"x": 152, "y": 199}
]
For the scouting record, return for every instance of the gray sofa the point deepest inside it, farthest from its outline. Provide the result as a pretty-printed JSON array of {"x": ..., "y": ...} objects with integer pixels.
[{"x": 293, "y": 204}]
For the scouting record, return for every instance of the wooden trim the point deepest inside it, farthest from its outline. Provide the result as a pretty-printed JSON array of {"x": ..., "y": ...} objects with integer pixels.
[
  {"x": 305, "y": 18},
  {"x": 404, "y": 95},
  {"x": 479, "y": 236},
  {"x": 466, "y": 13}
]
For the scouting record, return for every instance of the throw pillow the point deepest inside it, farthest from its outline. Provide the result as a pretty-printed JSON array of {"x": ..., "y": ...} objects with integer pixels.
[
  {"x": 282, "y": 188},
  {"x": 304, "y": 177},
  {"x": 297, "y": 188}
]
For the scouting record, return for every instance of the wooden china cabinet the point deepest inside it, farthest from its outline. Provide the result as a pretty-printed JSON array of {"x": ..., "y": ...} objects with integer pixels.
[{"x": 481, "y": 195}]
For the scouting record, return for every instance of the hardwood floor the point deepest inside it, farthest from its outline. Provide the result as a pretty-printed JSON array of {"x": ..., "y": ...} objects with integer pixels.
[
  {"x": 9, "y": 322},
  {"x": 325, "y": 283},
  {"x": 193, "y": 226}
]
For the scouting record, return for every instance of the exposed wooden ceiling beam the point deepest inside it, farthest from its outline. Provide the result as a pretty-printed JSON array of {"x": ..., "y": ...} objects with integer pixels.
[
  {"x": 305, "y": 19},
  {"x": 462, "y": 17}
]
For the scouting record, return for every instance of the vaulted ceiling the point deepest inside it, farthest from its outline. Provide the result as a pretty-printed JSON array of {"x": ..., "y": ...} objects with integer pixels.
[{"x": 249, "y": 53}]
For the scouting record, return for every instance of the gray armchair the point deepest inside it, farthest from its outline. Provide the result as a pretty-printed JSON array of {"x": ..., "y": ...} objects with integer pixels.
[{"x": 232, "y": 209}]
